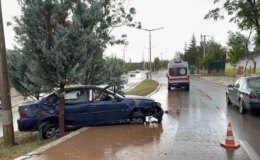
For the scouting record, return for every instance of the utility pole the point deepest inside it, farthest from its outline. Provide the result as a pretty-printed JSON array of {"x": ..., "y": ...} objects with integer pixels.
[
  {"x": 143, "y": 62},
  {"x": 7, "y": 117},
  {"x": 204, "y": 50},
  {"x": 161, "y": 60},
  {"x": 150, "y": 48},
  {"x": 185, "y": 47},
  {"x": 124, "y": 50}
]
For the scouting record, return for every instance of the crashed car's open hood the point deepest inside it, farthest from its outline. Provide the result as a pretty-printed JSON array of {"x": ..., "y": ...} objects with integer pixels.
[{"x": 134, "y": 97}]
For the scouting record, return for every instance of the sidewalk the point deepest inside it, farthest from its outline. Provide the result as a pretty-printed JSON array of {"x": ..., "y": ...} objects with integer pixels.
[{"x": 220, "y": 80}]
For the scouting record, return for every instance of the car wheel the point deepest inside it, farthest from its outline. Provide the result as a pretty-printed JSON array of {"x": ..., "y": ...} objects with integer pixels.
[
  {"x": 187, "y": 88},
  {"x": 137, "y": 118},
  {"x": 169, "y": 88},
  {"x": 242, "y": 108},
  {"x": 228, "y": 100},
  {"x": 50, "y": 131}
]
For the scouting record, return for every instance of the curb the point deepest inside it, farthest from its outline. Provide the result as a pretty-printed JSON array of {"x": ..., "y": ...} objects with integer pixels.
[
  {"x": 134, "y": 85},
  {"x": 39, "y": 151},
  {"x": 216, "y": 84}
]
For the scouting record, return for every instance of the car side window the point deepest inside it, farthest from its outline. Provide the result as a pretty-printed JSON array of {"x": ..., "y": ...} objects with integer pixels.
[
  {"x": 97, "y": 95},
  {"x": 241, "y": 83},
  {"x": 52, "y": 99},
  {"x": 74, "y": 96}
]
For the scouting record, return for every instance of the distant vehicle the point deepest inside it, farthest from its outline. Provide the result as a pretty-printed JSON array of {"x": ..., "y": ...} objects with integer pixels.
[
  {"x": 178, "y": 74},
  {"x": 245, "y": 94},
  {"x": 86, "y": 106},
  {"x": 137, "y": 71},
  {"x": 132, "y": 74},
  {"x": 124, "y": 78}
]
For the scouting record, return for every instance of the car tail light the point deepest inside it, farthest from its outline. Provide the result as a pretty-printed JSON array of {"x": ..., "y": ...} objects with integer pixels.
[
  {"x": 23, "y": 113},
  {"x": 253, "y": 95}
]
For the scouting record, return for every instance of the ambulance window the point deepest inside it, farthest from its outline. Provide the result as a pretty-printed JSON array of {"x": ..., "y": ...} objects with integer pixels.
[
  {"x": 173, "y": 72},
  {"x": 178, "y": 71},
  {"x": 183, "y": 71}
]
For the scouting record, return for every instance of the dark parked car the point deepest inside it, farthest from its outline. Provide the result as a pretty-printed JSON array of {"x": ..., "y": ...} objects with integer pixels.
[
  {"x": 245, "y": 93},
  {"x": 86, "y": 106}
]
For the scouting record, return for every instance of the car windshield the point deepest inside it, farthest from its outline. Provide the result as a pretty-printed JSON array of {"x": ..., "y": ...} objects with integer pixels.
[
  {"x": 254, "y": 82},
  {"x": 178, "y": 71}
]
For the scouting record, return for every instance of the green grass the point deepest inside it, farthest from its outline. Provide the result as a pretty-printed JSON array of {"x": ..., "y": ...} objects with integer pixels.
[
  {"x": 25, "y": 142},
  {"x": 144, "y": 88}
]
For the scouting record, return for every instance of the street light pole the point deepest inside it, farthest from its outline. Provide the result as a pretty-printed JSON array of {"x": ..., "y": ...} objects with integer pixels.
[
  {"x": 150, "y": 50},
  {"x": 7, "y": 117},
  {"x": 150, "y": 47},
  {"x": 204, "y": 50}
]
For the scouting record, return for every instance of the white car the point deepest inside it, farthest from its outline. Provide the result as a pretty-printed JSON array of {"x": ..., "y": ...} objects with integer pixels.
[{"x": 124, "y": 78}]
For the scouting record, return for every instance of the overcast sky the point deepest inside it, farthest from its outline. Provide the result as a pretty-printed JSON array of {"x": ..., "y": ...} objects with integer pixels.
[{"x": 180, "y": 20}]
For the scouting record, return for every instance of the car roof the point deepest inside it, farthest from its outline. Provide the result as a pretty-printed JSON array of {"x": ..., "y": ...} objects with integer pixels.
[
  {"x": 252, "y": 77},
  {"x": 83, "y": 87}
]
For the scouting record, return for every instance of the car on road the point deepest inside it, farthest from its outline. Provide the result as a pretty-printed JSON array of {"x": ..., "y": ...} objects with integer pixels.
[
  {"x": 132, "y": 74},
  {"x": 245, "y": 94},
  {"x": 86, "y": 106},
  {"x": 124, "y": 78},
  {"x": 137, "y": 71}
]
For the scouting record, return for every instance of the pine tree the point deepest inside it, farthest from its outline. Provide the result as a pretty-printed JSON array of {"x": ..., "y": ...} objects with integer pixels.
[
  {"x": 113, "y": 69},
  {"x": 61, "y": 40},
  {"x": 192, "y": 52}
]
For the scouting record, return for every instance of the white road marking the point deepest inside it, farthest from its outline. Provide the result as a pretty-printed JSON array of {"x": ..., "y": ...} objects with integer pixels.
[{"x": 249, "y": 150}]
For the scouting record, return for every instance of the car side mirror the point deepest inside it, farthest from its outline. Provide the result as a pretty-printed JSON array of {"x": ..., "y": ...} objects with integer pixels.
[
  {"x": 237, "y": 85},
  {"x": 230, "y": 86}
]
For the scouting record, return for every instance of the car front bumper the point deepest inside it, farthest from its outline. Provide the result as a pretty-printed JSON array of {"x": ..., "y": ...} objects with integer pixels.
[
  {"x": 158, "y": 115},
  {"x": 179, "y": 85}
]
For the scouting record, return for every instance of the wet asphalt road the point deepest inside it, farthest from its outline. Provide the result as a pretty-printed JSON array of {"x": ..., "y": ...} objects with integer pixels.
[{"x": 196, "y": 123}]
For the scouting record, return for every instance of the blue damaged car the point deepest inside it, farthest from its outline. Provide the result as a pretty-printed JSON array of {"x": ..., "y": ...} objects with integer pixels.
[{"x": 86, "y": 106}]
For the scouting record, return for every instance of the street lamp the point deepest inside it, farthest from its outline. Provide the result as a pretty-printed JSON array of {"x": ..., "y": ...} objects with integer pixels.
[
  {"x": 204, "y": 50},
  {"x": 150, "y": 46}
]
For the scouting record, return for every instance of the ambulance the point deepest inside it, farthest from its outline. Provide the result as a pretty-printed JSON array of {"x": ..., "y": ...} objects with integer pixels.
[{"x": 178, "y": 74}]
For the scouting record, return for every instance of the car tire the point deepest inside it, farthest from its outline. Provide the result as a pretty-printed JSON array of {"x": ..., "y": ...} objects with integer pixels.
[
  {"x": 50, "y": 130},
  {"x": 159, "y": 120},
  {"x": 187, "y": 88},
  {"x": 137, "y": 118},
  {"x": 242, "y": 109},
  {"x": 228, "y": 100},
  {"x": 169, "y": 88}
]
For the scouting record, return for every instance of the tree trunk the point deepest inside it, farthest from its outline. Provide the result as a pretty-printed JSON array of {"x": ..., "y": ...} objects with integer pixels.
[
  {"x": 7, "y": 117},
  {"x": 254, "y": 68},
  {"x": 61, "y": 110}
]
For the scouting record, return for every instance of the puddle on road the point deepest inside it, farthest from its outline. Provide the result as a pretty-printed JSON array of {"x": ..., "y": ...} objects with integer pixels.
[{"x": 127, "y": 142}]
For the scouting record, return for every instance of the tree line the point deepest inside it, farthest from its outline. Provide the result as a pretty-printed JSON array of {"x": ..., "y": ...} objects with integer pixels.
[
  {"x": 194, "y": 52},
  {"x": 157, "y": 64},
  {"x": 245, "y": 14},
  {"x": 239, "y": 46}
]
